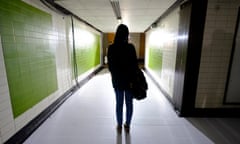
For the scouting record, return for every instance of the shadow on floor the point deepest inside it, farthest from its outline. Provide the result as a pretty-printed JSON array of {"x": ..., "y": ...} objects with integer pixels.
[{"x": 219, "y": 130}]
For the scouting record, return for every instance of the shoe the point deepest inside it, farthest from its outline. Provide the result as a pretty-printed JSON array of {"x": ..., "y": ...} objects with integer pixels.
[
  {"x": 119, "y": 129},
  {"x": 126, "y": 128}
]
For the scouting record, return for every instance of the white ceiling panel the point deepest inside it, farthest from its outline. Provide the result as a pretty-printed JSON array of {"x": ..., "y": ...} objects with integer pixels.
[{"x": 137, "y": 14}]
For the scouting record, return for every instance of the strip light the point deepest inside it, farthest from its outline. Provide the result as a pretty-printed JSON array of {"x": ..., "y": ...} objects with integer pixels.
[{"x": 116, "y": 8}]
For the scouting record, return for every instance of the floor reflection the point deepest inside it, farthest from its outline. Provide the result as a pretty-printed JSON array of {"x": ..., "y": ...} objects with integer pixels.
[
  {"x": 88, "y": 117},
  {"x": 120, "y": 138},
  {"x": 127, "y": 138}
]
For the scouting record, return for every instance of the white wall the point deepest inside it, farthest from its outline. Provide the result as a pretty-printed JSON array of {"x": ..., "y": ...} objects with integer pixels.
[
  {"x": 6, "y": 116},
  {"x": 216, "y": 51},
  {"x": 9, "y": 125},
  {"x": 61, "y": 24},
  {"x": 164, "y": 38}
]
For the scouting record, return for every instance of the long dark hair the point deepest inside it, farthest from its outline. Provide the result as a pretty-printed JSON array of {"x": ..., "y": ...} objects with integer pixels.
[{"x": 121, "y": 35}]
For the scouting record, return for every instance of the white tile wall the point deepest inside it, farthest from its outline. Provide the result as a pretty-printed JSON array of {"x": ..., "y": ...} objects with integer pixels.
[
  {"x": 62, "y": 63},
  {"x": 169, "y": 25},
  {"x": 8, "y": 125},
  {"x": 6, "y": 116},
  {"x": 217, "y": 44}
]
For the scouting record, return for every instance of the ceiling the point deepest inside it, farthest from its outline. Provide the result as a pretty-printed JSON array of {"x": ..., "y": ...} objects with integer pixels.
[{"x": 138, "y": 15}]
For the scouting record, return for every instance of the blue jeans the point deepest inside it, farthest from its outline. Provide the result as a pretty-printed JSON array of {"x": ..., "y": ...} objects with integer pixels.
[{"x": 120, "y": 94}]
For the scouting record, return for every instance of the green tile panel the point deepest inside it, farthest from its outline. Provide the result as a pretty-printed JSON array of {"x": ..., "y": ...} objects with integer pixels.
[
  {"x": 155, "y": 60},
  {"x": 87, "y": 56},
  {"x": 27, "y": 40}
]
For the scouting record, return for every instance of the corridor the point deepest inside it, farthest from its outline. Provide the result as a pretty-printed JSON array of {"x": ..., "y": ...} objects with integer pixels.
[
  {"x": 189, "y": 49},
  {"x": 88, "y": 117}
]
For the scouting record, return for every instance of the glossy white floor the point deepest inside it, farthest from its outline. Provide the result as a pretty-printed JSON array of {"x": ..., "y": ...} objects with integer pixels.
[{"x": 88, "y": 117}]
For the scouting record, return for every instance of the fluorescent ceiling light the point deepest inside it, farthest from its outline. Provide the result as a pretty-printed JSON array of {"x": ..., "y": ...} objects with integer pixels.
[{"x": 116, "y": 8}]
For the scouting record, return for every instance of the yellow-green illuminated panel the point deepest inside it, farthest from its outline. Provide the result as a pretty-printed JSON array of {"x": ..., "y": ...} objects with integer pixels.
[{"x": 28, "y": 54}]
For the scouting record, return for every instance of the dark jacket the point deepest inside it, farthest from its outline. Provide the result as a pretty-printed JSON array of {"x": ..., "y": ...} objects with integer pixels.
[{"x": 122, "y": 63}]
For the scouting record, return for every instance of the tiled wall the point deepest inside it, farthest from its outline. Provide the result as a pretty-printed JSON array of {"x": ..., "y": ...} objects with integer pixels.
[
  {"x": 58, "y": 41},
  {"x": 29, "y": 44},
  {"x": 87, "y": 45},
  {"x": 217, "y": 45},
  {"x": 28, "y": 53},
  {"x": 6, "y": 116},
  {"x": 161, "y": 49}
]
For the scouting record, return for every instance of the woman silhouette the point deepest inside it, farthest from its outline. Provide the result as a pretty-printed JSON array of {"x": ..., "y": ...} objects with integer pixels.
[{"x": 122, "y": 64}]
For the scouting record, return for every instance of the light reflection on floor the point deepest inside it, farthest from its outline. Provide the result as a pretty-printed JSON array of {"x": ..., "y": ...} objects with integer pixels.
[{"x": 88, "y": 117}]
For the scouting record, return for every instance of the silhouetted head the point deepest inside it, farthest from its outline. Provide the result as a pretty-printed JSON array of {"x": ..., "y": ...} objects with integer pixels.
[{"x": 121, "y": 35}]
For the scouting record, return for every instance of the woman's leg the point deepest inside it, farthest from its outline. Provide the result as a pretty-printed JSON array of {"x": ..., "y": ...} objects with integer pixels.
[
  {"x": 129, "y": 106},
  {"x": 119, "y": 105}
]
